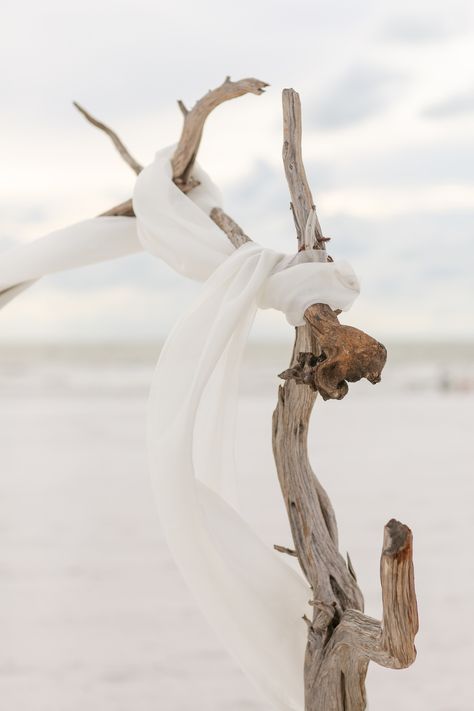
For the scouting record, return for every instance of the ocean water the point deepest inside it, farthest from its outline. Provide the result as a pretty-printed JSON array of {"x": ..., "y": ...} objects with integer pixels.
[{"x": 93, "y": 613}]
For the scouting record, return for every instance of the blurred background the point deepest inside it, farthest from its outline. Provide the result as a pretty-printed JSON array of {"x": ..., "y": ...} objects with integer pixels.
[{"x": 93, "y": 613}]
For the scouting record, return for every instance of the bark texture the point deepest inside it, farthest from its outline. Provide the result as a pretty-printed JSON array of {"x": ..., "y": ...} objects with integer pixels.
[
  {"x": 191, "y": 134},
  {"x": 346, "y": 354},
  {"x": 326, "y": 355},
  {"x": 194, "y": 120}
]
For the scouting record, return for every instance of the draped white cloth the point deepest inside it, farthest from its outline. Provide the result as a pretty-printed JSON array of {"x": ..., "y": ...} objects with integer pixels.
[
  {"x": 87, "y": 242},
  {"x": 251, "y": 597}
]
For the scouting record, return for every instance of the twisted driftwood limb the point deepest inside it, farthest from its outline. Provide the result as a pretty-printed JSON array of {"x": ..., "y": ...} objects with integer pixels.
[
  {"x": 186, "y": 151},
  {"x": 188, "y": 144},
  {"x": 341, "y": 639}
]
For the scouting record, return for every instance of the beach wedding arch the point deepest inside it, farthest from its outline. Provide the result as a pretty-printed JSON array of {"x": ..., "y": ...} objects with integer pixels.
[{"x": 302, "y": 638}]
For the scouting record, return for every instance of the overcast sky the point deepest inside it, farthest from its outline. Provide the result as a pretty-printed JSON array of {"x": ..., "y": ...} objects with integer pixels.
[{"x": 388, "y": 109}]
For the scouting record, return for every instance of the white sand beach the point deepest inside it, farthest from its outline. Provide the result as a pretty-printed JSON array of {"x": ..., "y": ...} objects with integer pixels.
[{"x": 94, "y": 616}]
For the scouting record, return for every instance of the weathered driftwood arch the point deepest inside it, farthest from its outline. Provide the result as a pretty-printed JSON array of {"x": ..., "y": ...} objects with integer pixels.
[{"x": 326, "y": 356}]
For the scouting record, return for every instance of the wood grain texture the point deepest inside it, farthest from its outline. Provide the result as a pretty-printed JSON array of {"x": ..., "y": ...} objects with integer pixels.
[
  {"x": 119, "y": 145},
  {"x": 235, "y": 233},
  {"x": 346, "y": 356},
  {"x": 308, "y": 229},
  {"x": 326, "y": 355},
  {"x": 191, "y": 134},
  {"x": 194, "y": 120}
]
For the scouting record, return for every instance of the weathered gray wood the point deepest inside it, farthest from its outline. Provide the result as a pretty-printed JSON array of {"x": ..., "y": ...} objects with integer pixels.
[
  {"x": 119, "y": 145},
  {"x": 188, "y": 144},
  {"x": 307, "y": 225},
  {"x": 193, "y": 124},
  {"x": 347, "y": 355},
  {"x": 341, "y": 639},
  {"x": 185, "y": 154},
  {"x": 235, "y": 233}
]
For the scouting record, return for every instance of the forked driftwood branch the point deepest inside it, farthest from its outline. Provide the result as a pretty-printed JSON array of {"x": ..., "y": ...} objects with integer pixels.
[
  {"x": 327, "y": 355},
  {"x": 194, "y": 120},
  {"x": 191, "y": 134},
  {"x": 341, "y": 639}
]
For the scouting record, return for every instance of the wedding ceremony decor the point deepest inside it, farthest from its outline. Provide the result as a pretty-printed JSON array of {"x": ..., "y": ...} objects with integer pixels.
[{"x": 303, "y": 638}]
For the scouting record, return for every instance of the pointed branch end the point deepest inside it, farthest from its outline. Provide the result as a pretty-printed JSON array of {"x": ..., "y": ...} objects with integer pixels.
[
  {"x": 284, "y": 549},
  {"x": 122, "y": 150},
  {"x": 183, "y": 108},
  {"x": 254, "y": 86},
  {"x": 81, "y": 109}
]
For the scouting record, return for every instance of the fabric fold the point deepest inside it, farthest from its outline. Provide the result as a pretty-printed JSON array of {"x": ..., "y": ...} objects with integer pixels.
[
  {"x": 88, "y": 242},
  {"x": 249, "y": 595},
  {"x": 252, "y": 599}
]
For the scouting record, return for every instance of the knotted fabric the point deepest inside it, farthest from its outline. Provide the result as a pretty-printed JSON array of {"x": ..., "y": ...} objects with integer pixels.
[{"x": 249, "y": 594}]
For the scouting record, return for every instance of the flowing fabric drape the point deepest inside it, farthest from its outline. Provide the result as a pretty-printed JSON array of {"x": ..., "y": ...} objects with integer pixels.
[{"x": 250, "y": 596}]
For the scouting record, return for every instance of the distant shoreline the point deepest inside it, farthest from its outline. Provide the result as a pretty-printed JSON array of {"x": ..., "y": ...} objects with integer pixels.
[{"x": 146, "y": 352}]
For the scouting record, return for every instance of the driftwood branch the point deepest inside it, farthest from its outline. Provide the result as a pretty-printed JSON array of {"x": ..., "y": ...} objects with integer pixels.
[
  {"x": 284, "y": 549},
  {"x": 186, "y": 150},
  {"x": 193, "y": 125},
  {"x": 359, "y": 639},
  {"x": 235, "y": 233},
  {"x": 125, "y": 209},
  {"x": 123, "y": 151},
  {"x": 307, "y": 225},
  {"x": 341, "y": 639},
  {"x": 343, "y": 354}
]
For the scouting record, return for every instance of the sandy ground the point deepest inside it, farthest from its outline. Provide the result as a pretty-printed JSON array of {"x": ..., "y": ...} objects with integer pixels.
[{"x": 93, "y": 614}]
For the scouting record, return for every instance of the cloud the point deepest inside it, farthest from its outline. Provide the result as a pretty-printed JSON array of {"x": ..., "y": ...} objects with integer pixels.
[
  {"x": 393, "y": 192},
  {"x": 361, "y": 92},
  {"x": 424, "y": 167},
  {"x": 416, "y": 29},
  {"x": 453, "y": 106}
]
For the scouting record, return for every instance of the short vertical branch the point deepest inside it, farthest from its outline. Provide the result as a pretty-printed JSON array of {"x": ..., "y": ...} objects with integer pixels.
[{"x": 400, "y": 612}]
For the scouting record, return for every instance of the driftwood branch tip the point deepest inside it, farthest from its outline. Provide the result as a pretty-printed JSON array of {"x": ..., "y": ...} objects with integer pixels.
[
  {"x": 188, "y": 145},
  {"x": 123, "y": 151},
  {"x": 194, "y": 119}
]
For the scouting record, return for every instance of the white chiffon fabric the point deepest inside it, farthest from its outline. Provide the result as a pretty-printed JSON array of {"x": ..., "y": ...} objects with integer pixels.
[
  {"x": 250, "y": 596},
  {"x": 78, "y": 245}
]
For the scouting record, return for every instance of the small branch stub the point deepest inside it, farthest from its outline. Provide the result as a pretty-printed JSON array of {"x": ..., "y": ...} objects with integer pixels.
[{"x": 400, "y": 611}]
